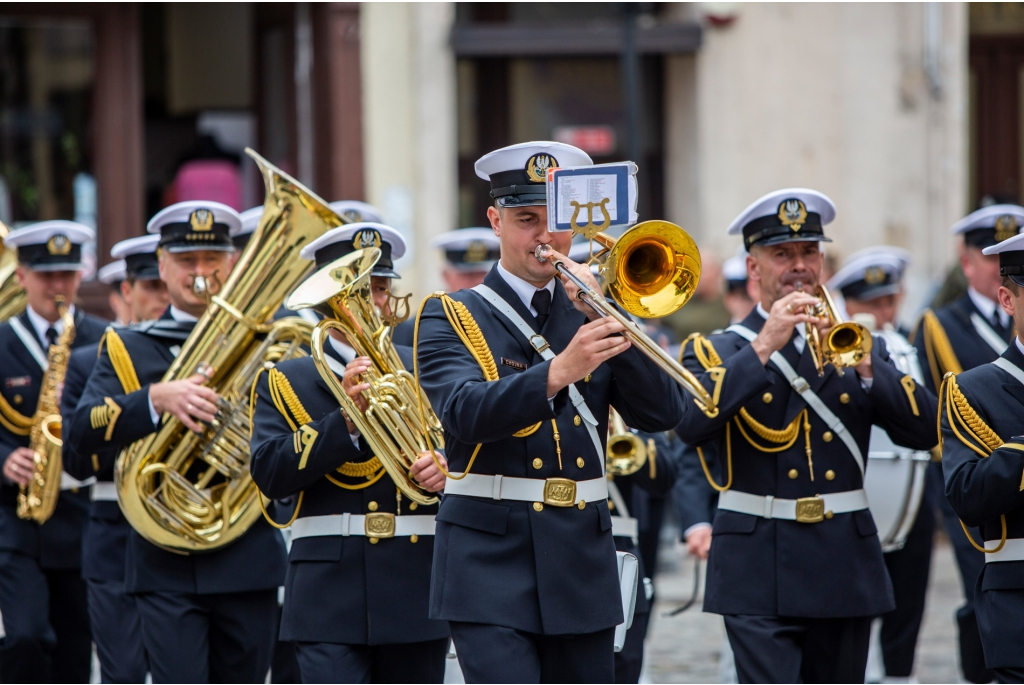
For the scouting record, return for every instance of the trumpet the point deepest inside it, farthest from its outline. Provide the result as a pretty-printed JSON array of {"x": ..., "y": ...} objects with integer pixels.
[
  {"x": 651, "y": 271},
  {"x": 845, "y": 345},
  {"x": 626, "y": 453}
]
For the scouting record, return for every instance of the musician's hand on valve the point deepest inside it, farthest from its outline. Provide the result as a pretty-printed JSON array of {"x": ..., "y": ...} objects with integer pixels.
[
  {"x": 19, "y": 465},
  {"x": 594, "y": 343},
  {"x": 352, "y": 381},
  {"x": 187, "y": 400},
  {"x": 786, "y": 313},
  {"x": 425, "y": 472},
  {"x": 581, "y": 271}
]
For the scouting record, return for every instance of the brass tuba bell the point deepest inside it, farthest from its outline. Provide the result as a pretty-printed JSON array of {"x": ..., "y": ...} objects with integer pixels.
[
  {"x": 12, "y": 295},
  {"x": 845, "y": 345}
]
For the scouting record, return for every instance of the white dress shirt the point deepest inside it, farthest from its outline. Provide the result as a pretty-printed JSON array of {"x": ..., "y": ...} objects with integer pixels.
[
  {"x": 41, "y": 325},
  {"x": 1020, "y": 345},
  {"x": 988, "y": 307},
  {"x": 524, "y": 289}
]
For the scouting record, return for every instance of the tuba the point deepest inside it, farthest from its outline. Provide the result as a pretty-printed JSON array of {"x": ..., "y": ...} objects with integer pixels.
[
  {"x": 12, "y": 295},
  {"x": 193, "y": 493},
  {"x": 626, "y": 452},
  {"x": 651, "y": 270},
  {"x": 391, "y": 425},
  {"x": 847, "y": 344},
  {"x": 37, "y": 500}
]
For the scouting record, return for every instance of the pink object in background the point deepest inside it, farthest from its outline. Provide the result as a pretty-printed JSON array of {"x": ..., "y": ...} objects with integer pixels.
[{"x": 216, "y": 180}]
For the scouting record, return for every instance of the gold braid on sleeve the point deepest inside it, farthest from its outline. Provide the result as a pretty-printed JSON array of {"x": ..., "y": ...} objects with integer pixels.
[
  {"x": 941, "y": 357},
  {"x": 976, "y": 434},
  {"x": 13, "y": 420},
  {"x": 263, "y": 499},
  {"x": 121, "y": 361}
]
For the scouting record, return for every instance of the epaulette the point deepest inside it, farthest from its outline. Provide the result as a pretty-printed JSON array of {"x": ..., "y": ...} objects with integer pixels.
[
  {"x": 120, "y": 360},
  {"x": 941, "y": 357},
  {"x": 162, "y": 328},
  {"x": 703, "y": 349},
  {"x": 13, "y": 420}
]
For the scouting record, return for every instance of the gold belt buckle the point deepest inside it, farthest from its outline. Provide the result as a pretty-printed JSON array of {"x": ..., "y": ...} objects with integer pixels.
[
  {"x": 379, "y": 525},
  {"x": 560, "y": 492},
  {"x": 810, "y": 510}
]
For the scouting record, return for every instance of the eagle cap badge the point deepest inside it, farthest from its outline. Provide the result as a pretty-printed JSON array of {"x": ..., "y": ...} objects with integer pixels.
[
  {"x": 58, "y": 244},
  {"x": 201, "y": 220},
  {"x": 537, "y": 166},
  {"x": 366, "y": 237},
  {"x": 874, "y": 275},
  {"x": 1006, "y": 227},
  {"x": 476, "y": 252},
  {"x": 793, "y": 213}
]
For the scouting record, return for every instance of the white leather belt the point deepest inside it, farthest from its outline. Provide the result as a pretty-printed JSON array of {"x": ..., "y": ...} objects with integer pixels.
[
  {"x": 1013, "y": 550},
  {"x": 559, "y": 492},
  {"x": 69, "y": 483},
  {"x": 623, "y": 527},
  {"x": 104, "y": 491},
  {"x": 378, "y": 525},
  {"x": 804, "y": 510}
]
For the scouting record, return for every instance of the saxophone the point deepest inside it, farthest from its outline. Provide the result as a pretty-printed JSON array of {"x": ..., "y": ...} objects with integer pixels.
[
  {"x": 37, "y": 500},
  {"x": 192, "y": 493},
  {"x": 12, "y": 295},
  {"x": 392, "y": 427}
]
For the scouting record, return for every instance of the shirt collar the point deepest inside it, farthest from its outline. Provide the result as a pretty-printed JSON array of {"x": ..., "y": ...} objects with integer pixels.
[
  {"x": 344, "y": 351},
  {"x": 524, "y": 289},
  {"x": 41, "y": 325},
  {"x": 800, "y": 330},
  {"x": 988, "y": 307},
  {"x": 1020, "y": 345},
  {"x": 182, "y": 317}
]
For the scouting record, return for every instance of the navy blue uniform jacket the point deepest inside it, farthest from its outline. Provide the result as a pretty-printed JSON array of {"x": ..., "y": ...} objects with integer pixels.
[
  {"x": 106, "y": 532},
  {"x": 773, "y": 567},
  {"x": 256, "y": 561},
  {"x": 58, "y": 542},
  {"x": 503, "y": 563},
  {"x": 340, "y": 589},
  {"x": 981, "y": 489}
]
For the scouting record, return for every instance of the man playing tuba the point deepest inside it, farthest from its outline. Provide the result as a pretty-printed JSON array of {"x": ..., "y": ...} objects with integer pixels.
[
  {"x": 205, "y": 617},
  {"x": 359, "y": 566},
  {"x": 41, "y": 563}
]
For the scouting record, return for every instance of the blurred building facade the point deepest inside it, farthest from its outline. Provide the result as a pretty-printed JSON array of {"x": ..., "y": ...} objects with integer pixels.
[{"x": 906, "y": 114}]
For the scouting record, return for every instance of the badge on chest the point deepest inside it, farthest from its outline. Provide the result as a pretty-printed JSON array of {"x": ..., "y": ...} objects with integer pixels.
[{"x": 518, "y": 366}]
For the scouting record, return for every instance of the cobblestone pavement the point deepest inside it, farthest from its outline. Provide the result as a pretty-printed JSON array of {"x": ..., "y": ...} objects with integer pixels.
[{"x": 686, "y": 648}]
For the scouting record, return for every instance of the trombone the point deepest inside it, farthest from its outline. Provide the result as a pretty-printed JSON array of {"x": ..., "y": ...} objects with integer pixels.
[
  {"x": 845, "y": 345},
  {"x": 652, "y": 270}
]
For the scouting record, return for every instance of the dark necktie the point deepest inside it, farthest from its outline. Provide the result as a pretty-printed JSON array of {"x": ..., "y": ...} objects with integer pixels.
[
  {"x": 51, "y": 336},
  {"x": 542, "y": 303}
]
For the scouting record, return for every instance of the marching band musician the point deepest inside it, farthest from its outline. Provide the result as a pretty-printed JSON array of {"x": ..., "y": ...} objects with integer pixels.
[
  {"x": 112, "y": 612},
  {"x": 205, "y": 617},
  {"x": 42, "y": 597},
  {"x": 871, "y": 284},
  {"x": 968, "y": 332},
  {"x": 113, "y": 274},
  {"x": 795, "y": 564},
  {"x": 525, "y": 568},
  {"x": 355, "y": 604},
  {"x": 982, "y": 415}
]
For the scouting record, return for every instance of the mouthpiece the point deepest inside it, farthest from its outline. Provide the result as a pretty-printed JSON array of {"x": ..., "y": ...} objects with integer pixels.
[
  {"x": 542, "y": 252},
  {"x": 199, "y": 286}
]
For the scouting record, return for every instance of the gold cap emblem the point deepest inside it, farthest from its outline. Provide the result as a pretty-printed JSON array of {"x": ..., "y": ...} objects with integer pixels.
[
  {"x": 367, "y": 237},
  {"x": 1006, "y": 227},
  {"x": 58, "y": 245},
  {"x": 352, "y": 216},
  {"x": 201, "y": 220},
  {"x": 476, "y": 252},
  {"x": 874, "y": 275},
  {"x": 792, "y": 213},
  {"x": 538, "y": 165}
]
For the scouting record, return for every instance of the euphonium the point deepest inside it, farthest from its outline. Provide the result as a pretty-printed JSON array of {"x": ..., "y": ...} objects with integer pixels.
[
  {"x": 846, "y": 344},
  {"x": 193, "y": 493},
  {"x": 651, "y": 270},
  {"x": 391, "y": 426},
  {"x": 626, "y": 452},
  {"x": 37, "y": 500},
  {"x": 12, "y": 295}
]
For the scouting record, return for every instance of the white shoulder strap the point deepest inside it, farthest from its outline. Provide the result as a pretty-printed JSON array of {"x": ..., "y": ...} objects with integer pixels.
[
  {"x": 30, "y": 342},
  {"x": 987, "y": 334},
  {"x": 1010, "y": 368},
  {"x": 538, "y": 343},
  {"x": 617, "y": 498},
  {"x": 800, "y": 384}
]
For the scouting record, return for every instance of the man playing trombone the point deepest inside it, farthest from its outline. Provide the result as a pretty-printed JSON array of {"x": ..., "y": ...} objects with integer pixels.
[
  {"x": 521, "y": 374},
  {"x": 356, "y": 593},
  {"x": 795, "y": 564}
]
